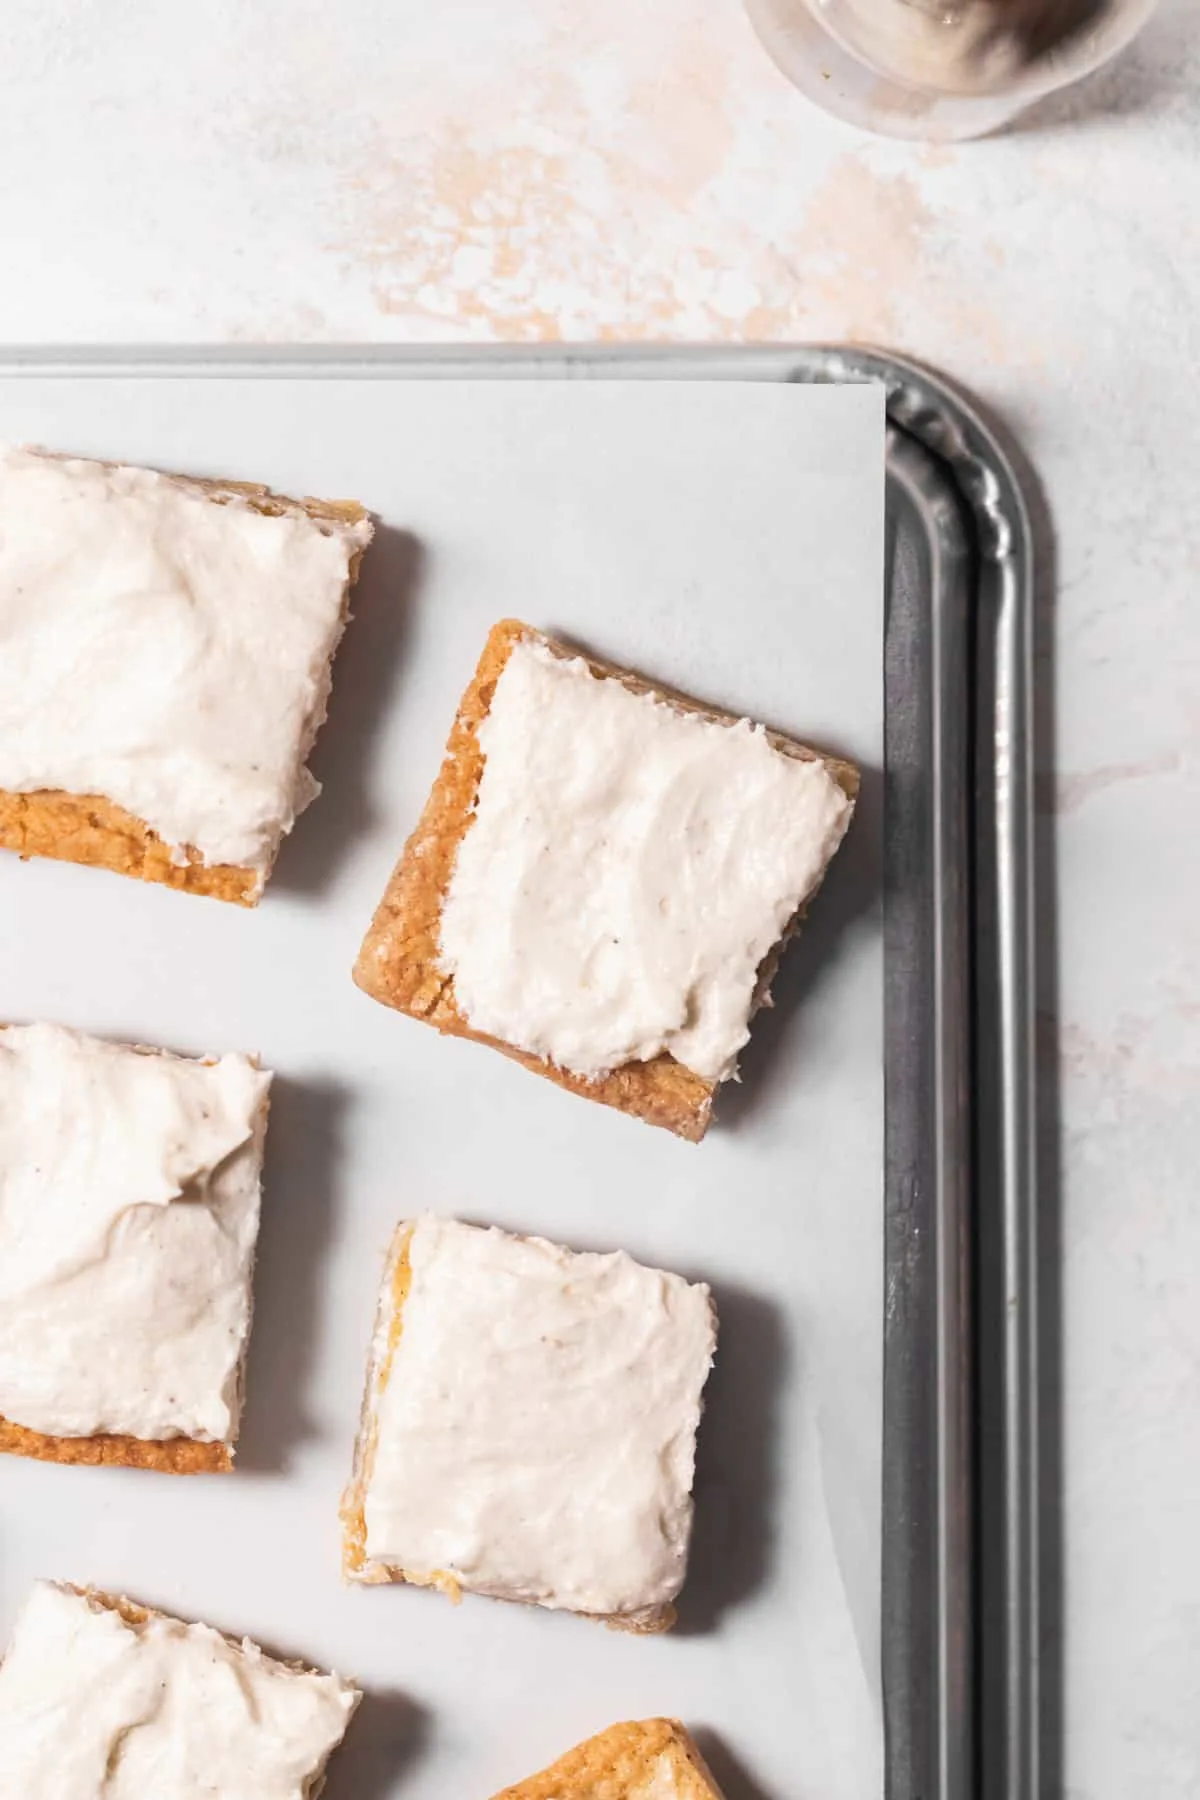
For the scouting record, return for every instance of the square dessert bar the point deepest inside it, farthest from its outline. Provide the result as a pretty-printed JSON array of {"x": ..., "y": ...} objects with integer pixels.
[
  {"x": 100, "y": 1696},
  {"x": 168, "y": 648},
  {"x": 649, "y": 1759},
  {"x": 529, "y": 1426},
  {"x": 129, "y": 1206},
  {"x": 603, "y": 879}
]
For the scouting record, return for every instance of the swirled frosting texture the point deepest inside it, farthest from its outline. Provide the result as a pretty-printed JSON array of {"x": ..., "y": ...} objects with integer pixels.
[
  {"x": 94, "y": 1707},
  {"x": 628, "y": 867},
  {"x": 536, "y": 1429},
  {"x": 165, "y": 651},
  {"x": 129, "y": 1203}
]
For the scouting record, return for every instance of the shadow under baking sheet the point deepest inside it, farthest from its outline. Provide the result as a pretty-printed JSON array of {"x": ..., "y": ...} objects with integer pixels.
[
  {"x": 367, "y": 673},
  {"x": 737, "y": 1451},
  {"x": 304, "y": 1140},
  {"x": 387, "y": 1733},
  {"x": 850, "y": 890},
  {"x": 731, "y": 1776}
]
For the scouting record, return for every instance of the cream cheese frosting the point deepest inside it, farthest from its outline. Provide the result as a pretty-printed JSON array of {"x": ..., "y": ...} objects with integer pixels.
[
  {"x": 535, "y": 1433},
  {"x": 93, "y": 1707},
  {"x": 129, "y": 1205},
  {"x": 628, "y": 867},
  {"x": 165, "y": 651}
]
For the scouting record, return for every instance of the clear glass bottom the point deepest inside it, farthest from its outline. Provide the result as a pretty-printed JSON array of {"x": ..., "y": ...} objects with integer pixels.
[{"x": 874, "y": 93}]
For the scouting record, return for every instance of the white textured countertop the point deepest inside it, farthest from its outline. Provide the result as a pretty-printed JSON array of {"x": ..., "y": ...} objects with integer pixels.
[{"x": 385, "y": 171}]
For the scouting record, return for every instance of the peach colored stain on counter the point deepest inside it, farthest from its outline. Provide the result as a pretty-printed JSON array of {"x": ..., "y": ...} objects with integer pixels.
[
  {"x": 642, "y": 174},
  {"x": 549, "y": 239},
  {"x": 1140, "y": 1056},
  {"x": 1072, "y": 791},
  {"x": 863, "y": 242},
  {"x": 647, "y": 175},
  {"x": 693, "y": 134}
]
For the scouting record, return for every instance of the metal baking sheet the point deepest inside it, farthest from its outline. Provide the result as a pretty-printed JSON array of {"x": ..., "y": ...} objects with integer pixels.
[{"x": 958, "y": 1675}]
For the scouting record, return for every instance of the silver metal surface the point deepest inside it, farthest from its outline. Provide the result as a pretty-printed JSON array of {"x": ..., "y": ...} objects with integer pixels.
[
  {"x": 928, "y": 1487},
  {"x": 960, "y": 1567},
  {"x": 1008, "y": 1635}
]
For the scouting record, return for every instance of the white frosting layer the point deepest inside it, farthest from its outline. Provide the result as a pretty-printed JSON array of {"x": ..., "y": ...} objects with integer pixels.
[
  {"x": 536, "y": 1434},
  {"x": 628, "y": 868},
  {"x": 94, "y": 1709},
  {"x": 129, "y": 1200},
  {"x": 164, "y": 651}
]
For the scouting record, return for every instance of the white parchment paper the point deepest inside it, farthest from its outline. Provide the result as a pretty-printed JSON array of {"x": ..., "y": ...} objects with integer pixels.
[{"x": 725, "y": 537}]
